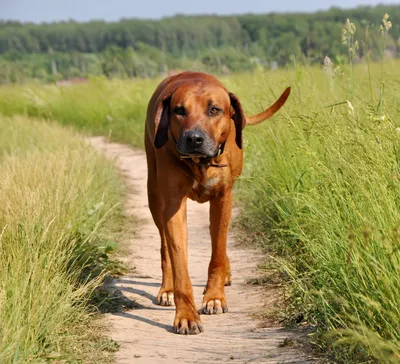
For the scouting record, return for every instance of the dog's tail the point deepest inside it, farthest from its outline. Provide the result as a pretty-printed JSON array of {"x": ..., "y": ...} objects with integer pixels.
[{"x": 255, "y": 119}]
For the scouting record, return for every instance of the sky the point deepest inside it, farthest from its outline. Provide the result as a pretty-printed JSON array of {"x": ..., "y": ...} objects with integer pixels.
[{"x": 111, "y": 10}]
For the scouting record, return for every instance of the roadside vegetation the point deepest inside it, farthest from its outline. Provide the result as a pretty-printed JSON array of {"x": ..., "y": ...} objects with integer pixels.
[
  {"x": 320, "y": 189},
  {"x": 59, "y": 205}
]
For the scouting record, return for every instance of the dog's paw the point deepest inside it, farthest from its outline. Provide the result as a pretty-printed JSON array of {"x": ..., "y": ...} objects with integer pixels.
[
  {"x": 213, "y": 306},
  {"x": 188, "y": 324},
  {"x": 165, "y": 298}
]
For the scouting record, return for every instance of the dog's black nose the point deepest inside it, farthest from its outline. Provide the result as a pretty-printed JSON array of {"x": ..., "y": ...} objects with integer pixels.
[{"x": 194, "y": 138}]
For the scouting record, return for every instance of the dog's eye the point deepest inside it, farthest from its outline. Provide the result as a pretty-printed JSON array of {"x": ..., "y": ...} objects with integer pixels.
[
  {"x": 215, "y": 111},
  {"x": 180, "y": 110}
]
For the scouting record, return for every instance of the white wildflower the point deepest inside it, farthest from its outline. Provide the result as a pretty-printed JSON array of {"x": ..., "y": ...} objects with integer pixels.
[
  {"x": 348, "y": 31},
  {"x": 328, "y": 65},
  {"x": 387, "y": 24},
  {"x": 350, "y": 108}
]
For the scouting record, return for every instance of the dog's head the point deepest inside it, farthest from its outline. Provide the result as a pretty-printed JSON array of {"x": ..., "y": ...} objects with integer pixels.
[{"x": 199, "y": 116}]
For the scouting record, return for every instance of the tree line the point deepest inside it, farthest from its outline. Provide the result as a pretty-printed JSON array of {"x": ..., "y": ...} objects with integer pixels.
[{"x": 219, "y": 44}]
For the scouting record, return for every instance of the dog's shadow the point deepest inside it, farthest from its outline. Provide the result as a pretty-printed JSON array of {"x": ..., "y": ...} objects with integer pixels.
[
  {"x": 149, "y": 284},
  {"x": 127, "y": 306},
  {"x": 132, "y": 316},
  {"x": 139, "y": 292}
]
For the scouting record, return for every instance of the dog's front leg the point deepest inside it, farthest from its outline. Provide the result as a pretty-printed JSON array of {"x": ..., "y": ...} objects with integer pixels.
[
  {"x": 214, "y": 300},
  {"x": 187, "y": 320}
]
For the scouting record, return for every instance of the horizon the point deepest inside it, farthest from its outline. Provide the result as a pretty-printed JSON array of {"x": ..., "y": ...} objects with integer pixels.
[{"x": 252, "y": 7}]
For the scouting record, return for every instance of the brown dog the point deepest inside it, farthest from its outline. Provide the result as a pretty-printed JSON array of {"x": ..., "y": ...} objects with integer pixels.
[{"x": 194, "y": 149}]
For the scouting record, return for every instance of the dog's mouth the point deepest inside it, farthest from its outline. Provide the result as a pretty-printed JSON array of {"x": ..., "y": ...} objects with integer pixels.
[
  {"x": 204, "y": 159},
  {"x": 197, "y": 154},
  {"x": 210, "y": 153},
  {"x": 197, "y": 158}
]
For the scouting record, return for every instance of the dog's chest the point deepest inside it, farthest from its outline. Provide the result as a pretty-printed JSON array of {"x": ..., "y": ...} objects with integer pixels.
[{"x": 206, "y": 189}]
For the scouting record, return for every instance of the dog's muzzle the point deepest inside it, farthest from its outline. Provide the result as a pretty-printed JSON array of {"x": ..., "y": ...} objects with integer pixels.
[{"x": 196, "y": 143}]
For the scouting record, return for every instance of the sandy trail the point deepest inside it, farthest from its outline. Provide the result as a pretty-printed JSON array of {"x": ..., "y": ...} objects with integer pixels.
[{"x": 145, "y": 333}]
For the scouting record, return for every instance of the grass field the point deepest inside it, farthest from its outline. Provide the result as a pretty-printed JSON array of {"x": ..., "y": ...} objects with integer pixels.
[
  {"x": 320, "y": 188},
  {"x": 55, "y": 195}
]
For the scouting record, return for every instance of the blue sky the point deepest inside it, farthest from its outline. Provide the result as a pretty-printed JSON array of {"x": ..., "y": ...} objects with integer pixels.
[{"x": 83, "y": 10}]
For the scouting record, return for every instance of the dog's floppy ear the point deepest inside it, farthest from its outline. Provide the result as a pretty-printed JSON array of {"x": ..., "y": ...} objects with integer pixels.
[
  {"x": 238, "y": 118},
  {"x": 162, "y": 122}
]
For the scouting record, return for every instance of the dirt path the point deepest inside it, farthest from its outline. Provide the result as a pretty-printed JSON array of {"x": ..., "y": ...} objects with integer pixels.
[{"x": 145, "y": 333}]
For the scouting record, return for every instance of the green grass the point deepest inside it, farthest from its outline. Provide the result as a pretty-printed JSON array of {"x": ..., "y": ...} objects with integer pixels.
[
  {"x": 55, "y": 195},
  {"x": 113, "y": 108},
  {"x": 320, "y": 188},
  {"x": 322, "y": 183}
]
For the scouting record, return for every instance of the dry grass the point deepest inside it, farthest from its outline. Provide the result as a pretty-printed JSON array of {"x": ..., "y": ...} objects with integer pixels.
[{"x": 55, "y": 194}]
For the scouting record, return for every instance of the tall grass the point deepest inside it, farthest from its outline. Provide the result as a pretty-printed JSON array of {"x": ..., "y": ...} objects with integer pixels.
[
  {"x": 55, "y": 194},
  {"x": 113, "y": 108},
  {"x": 321, "y": 183}
]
